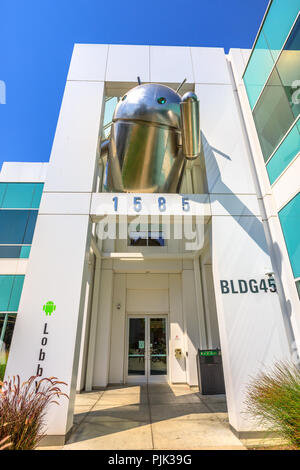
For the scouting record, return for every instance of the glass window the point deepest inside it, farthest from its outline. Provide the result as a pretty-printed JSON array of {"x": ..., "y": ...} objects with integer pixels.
[
  {"x": 10, "y": 292},
  {"x": 10, "y": 251},
  {"x": 278, "y": 23},
  {"x": 284, "y": 154},
  {"x": 258, "y": 70},
  {"x": 17, "y": 226},
  {"x": 7, "y": 324},
  {"x": 147, "y": 235},
  {"x": 25, "y": 251},
  {"x": 288, "y": 67},
  {"x": 276, "y": 27},
  {"x": 272, "y": 115},
  {"x": 298, "y": 287},
  {"x": 20, "y": 195},
  {"x": 289, "y": 217},
  {"x": 110, "y": 106}
]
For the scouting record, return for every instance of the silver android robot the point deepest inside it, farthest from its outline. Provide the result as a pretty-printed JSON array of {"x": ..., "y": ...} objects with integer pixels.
[{"x": 154, "y": 133}]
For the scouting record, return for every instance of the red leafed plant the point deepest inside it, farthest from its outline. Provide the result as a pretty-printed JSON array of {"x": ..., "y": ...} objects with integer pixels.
[
  {"x": 5, "y": 443},
  {"x": 23, "y": 408}
]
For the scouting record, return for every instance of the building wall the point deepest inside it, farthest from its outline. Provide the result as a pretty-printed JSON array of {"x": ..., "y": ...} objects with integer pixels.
[
  {"x": 272, "y": 81},
  {"x": 64, "y": 232},
  {"x": 171, "y": 294},
  {"x": 21, "y": 187}
]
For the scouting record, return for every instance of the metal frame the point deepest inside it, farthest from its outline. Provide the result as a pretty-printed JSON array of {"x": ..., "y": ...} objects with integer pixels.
[
  {"x": 275, "y": 63},
  {"x": 258, "y": 34},
  {"x": 147, "y": 378},
  {"x": 282, "y": 140}
]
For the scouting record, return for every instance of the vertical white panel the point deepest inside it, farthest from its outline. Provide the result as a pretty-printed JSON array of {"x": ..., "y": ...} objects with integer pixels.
[
  {"x": 224, "y": 145},
  {"x": 126, "y": 63},
  {"x": 73, "y": 157},
  {"x": 86, "y": 326},
  {"x": 177, "y": 366},
  {"x": 210, "y": 65},
  {"x": 57, "y": 272},
  {"x": 191, "y": 324},
  {"x": 252, "y": 328},
  {"x": 170, "y": 64},
  {"x": 210, "y": 306},
  {"x": 117, "y": 346},
  {"x": 102, "y": 350},
  {"x": 88, "y": 62}
]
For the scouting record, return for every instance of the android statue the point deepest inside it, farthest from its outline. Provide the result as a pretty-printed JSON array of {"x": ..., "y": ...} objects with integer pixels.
[{"x": 154, "y": 133}]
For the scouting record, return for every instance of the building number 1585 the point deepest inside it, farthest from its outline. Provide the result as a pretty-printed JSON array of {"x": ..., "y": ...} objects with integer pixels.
[{"x": 162, "y": 204}]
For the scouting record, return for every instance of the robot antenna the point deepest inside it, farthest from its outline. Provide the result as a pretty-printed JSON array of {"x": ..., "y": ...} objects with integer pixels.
[{"x": 181, "y": 84}]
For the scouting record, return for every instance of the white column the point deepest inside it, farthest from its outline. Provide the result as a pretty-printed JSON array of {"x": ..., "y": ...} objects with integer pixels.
[
  {"x": 191, "y": 325},
  {"x": 118, "y": 328},
  {"x": 102, "y": 347},
  {"x": 177, "y": 367},
  {"x": 58, "y": 264},
  {"x": 251, "y": 324}
]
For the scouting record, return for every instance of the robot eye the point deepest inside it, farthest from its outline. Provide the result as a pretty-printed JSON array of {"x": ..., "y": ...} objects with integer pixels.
[
  {"x": 161, "y": 100},
  {"x": 124, "y": 97}
]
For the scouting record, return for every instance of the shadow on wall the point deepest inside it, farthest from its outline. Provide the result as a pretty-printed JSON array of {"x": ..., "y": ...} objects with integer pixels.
[{"x": 255, "y": 230}]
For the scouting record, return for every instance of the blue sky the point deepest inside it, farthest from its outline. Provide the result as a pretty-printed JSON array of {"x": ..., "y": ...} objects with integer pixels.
[{"x": 37, "y": 38}]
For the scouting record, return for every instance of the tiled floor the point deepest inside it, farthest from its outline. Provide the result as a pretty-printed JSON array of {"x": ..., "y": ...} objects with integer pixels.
[{"x": 157, "y": 416}]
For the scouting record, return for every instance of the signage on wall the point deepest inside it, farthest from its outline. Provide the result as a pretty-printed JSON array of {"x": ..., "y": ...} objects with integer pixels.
[
  {"x": 252, "y": 286},
  {"x": 150, "y": 204},
  {"x": 49, "y": 307}
]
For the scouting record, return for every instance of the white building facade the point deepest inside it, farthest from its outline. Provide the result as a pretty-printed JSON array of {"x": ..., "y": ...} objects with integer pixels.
[{"x": 109, "y": 293}]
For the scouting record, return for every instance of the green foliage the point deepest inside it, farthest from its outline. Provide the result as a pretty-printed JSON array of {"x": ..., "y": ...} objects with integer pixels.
[
  {"x": 23, "y": 408},
  {"x": 274, "y": 401},
  {"x": 3, "y": 362}
]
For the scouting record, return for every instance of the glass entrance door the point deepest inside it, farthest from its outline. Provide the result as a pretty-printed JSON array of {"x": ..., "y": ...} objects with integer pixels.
[{"x": 147, "y": 349}]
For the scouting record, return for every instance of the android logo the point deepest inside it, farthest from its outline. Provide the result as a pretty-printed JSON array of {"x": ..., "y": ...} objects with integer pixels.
[{"x": 49, "y": 307}]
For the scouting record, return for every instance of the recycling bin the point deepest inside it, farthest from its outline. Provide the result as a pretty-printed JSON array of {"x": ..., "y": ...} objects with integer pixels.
[{"x": 210, "y": 372}]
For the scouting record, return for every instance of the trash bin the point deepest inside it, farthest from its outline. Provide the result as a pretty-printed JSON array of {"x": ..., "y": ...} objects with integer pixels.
[{"x": 210, "y": 372}]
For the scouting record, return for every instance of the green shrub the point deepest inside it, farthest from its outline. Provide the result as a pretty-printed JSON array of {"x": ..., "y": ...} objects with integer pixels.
[
  {"x": 3, "y": 362},
  {"x": 274, "y": 401},
  {"x": 23, "y": 408}
]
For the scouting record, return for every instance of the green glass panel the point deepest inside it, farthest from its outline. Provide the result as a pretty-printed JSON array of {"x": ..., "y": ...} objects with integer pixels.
[
  {"x": 17, "y": 226},
  {"x": 298, "y": 287},
  {"x": 5, "y": 291},
  {"x": 10, "y": 292},
  {"x": 288, "y": 67},
  {"x": 22, "y": 195},
  {"x": 258, "y": 70},
  {"x": 285, "y": 154},
  {"x": 25, "y": 251},
  {"x": 2, "y": 192},
  {"x": 278, "y": 23},
  {"x": 37, "y": 194},
  {"x": 10, "y": 251},
  {"x": 289, "y": 217},
  {"x": 272, "y": 115},
  {"x": 16, "y": 293}
]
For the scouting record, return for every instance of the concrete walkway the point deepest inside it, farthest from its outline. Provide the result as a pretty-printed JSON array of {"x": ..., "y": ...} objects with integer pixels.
[{"x": 151, "y": 417}]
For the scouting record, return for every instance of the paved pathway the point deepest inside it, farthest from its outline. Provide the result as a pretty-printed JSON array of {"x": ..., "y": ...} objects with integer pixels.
[{"x": 151, "y": 417}]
